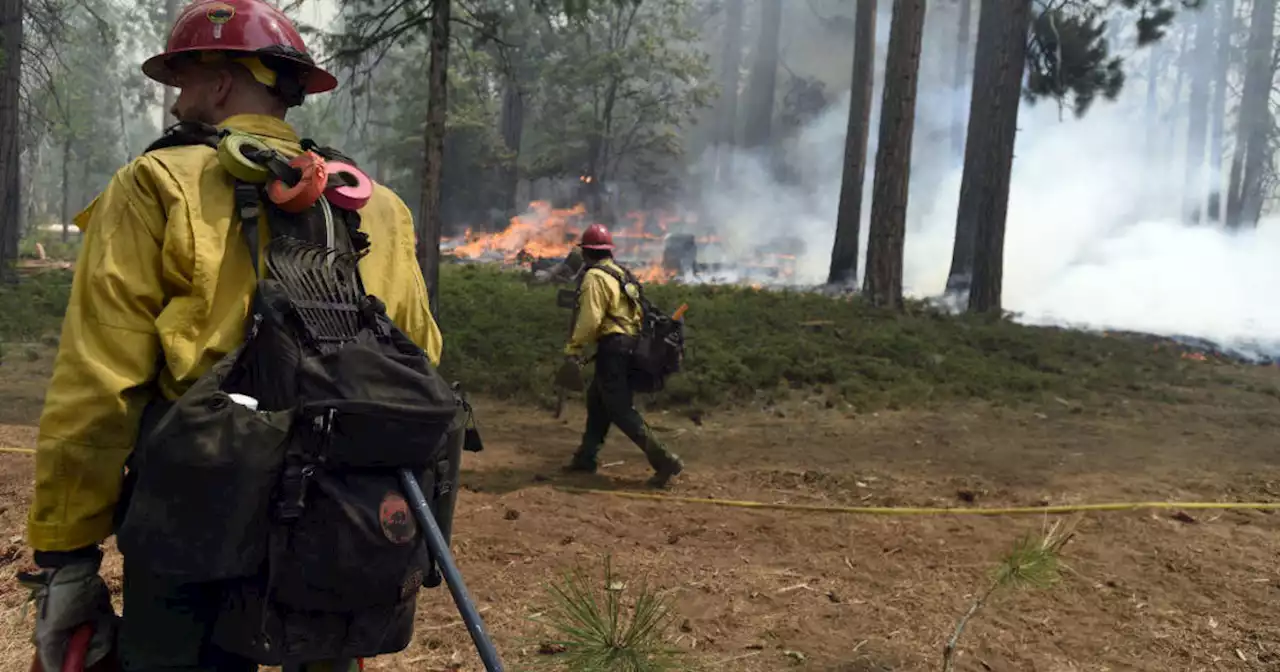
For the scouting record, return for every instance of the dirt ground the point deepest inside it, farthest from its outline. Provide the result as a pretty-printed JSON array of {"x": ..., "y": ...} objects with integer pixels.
[{"x": 772, "y": 590}]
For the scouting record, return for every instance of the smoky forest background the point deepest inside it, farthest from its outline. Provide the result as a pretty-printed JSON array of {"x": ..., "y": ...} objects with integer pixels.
[{"x": 879, "y": 140}]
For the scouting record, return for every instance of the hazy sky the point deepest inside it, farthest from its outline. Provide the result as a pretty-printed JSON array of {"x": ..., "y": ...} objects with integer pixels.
[{"x": 316, "y": 12}]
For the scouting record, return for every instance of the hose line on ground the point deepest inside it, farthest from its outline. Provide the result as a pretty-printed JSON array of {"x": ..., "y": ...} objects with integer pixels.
[
  {"x": 921, "y": 510},
  {"x": 898, "y": 510}
]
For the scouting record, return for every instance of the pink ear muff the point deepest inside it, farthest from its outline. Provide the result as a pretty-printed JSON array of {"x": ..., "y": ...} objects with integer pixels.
[
  {"x": 355, "y": 188},
  {"x": 304, "y": 194}
]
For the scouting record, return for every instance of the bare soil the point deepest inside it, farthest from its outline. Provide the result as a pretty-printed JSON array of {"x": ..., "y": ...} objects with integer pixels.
[{"x": 774, "y": 590}]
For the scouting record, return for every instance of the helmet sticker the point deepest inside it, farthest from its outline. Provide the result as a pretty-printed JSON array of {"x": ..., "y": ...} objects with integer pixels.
[{"x": 218, "y": 14}]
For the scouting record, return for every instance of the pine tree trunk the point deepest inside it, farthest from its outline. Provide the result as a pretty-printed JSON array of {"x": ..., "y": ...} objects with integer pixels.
[
  {"x": 844, "y": 254},
  {"x": 429, "y": 215},
  {"x": 730, "y": 78},
  {"x": 889, "y": 193},
  {"x": 512, "y": 127},
  {"x": 1244, "y": 202},
  {"x": 963, "y": 62},
  {"x": 1198, "y": 118},
  {"x": 1217, "y": 135},
  {"x": 764, "y": 77},
  {"x": 171, "y": 8},
  {"x": 65, "y": 215},
  {"x": 1175, "y": 105},
  {"x": 1154, "y": 56},
  {"x": 988, "y": 158},
  {"x": 11, "y": 14}
]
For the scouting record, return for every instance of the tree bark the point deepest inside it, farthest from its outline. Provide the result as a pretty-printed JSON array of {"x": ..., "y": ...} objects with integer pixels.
[
  {"x": 764, "y": 77},
  {"x": 844, "y": 253},
  {"x": 1183, "y": 56},
  {"x": 11, "y": 14},
  {"x": 429, "y": 220},
  {"x": 893, "y": 156},
  {"x": 1244, "y": 203},
  {"x": 1198, "y": 117},
  {"x": 512, "y": 126},
  {"x": 963, "y": 63},
  {"x": 65, "y": 215},
  {"x": 171, "y": 8},
  {"x": 1154, "y": 56},
  {"x": 730, "y": 78},
  {"x": 1217, "y": 134},
  {"x": 988, "y": 157}
]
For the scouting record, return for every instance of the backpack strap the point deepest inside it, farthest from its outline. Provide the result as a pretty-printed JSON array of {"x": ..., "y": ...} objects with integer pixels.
[
  {"x": 249, "y": 198},
  {"x": 186, "y": 133},
  {"x": 625, "y": 277},
  {"x": 248, "y": 207},
  {"x": 326, "y": 153}
]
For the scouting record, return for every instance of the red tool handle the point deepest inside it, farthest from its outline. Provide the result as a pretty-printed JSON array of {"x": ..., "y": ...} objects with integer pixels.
[{"x": 77, "y": 651}]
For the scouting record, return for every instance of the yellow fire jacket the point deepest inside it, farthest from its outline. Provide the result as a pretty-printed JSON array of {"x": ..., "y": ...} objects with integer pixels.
[
  {"x": 161, "y": 291},
  {"x": 602, "y": 309}
]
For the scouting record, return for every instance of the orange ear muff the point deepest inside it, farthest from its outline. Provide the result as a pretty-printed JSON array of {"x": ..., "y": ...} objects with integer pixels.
[{"x": 304, "y": 194}]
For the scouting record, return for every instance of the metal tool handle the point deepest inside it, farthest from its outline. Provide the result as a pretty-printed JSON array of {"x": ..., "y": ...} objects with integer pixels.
[{"x": 444, "y": 559}]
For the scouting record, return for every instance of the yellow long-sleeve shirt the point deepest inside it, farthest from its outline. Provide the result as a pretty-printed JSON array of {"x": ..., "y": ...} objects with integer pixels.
[
  {"x": 603, "y": 309},
  {"x": 162, "y": 290}
]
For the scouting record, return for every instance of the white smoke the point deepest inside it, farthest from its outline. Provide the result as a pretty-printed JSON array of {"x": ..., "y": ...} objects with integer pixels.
[{"x": 1082, "y": 246}]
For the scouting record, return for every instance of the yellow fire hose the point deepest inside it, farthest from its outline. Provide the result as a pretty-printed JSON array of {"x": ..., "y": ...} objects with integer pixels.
[
  {"x": 924, "y": 510},
  {"x": 897, "y": 510}
]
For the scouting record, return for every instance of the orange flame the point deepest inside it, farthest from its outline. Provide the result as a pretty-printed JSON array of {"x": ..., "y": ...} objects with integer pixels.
[{"x": 544, "y": 232}]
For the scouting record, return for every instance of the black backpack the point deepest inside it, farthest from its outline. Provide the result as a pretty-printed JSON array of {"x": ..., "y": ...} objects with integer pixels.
[
  {"x": 659, "y": 350},
  {"x": 295, "y": 508}
]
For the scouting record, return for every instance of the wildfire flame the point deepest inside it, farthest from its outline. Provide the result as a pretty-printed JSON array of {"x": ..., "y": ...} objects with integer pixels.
[{"x": 544, "y": 232}]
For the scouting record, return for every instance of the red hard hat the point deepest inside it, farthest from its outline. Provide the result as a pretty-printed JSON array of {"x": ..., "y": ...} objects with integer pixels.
[
  {"x": 597, "y": 237},
  {"x": 251, "y": 27}
]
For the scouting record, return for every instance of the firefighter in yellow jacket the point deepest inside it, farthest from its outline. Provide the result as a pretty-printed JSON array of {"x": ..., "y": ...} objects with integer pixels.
[
  {"x": 161, "y": 292},
  {"x": 610, "y": 319}
]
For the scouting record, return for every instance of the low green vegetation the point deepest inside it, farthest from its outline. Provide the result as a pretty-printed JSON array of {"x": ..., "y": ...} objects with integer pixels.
[
  {"x": 610, "y": 628},
  {"x": 33, "y": 309},
  {"x": 504, "y": 333}
]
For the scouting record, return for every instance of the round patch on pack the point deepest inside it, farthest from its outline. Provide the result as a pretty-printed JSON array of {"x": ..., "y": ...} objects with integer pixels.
[
  {"x": 632, "y": 291},
  {"x": 396, "y": 520}
]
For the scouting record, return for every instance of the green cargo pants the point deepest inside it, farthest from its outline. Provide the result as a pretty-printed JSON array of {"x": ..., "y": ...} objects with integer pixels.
[{"x": 610, "y": 402}]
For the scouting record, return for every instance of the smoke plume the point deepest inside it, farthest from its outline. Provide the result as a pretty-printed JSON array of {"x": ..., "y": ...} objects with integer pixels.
[{"x": 1094, "y": 237}]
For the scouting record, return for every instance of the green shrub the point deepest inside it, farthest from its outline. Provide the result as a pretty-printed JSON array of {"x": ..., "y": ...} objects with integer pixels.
[
  {"x": 503, "y": 336},
  {"x": 33, "y": 308},
  {"x": 504, "y": 333}
]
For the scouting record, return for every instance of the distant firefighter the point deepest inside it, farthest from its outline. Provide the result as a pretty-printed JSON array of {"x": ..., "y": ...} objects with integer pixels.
[{"x": 611, "y": 314}]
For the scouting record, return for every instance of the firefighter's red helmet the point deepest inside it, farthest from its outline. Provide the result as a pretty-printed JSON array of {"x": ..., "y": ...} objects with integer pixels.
[
  {"x": 597, "y": 237},
  {"x": 246, "y": 27}
]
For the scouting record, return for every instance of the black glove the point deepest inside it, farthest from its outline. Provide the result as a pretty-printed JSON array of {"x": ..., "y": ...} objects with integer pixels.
[
  {"x": 68, "y": 594},
  {"x": 569, "y": 375}
]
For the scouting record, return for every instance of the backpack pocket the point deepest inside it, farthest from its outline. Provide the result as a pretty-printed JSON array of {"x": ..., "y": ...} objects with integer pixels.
[
  {"x": 355, "y": 546},
  {"x": 200, "y": 506},
  {"x": 378, "y": 434}
]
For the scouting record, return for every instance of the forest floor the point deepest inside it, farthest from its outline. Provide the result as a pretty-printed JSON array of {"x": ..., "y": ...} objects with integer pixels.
[{"x": 776, "y": 590}]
